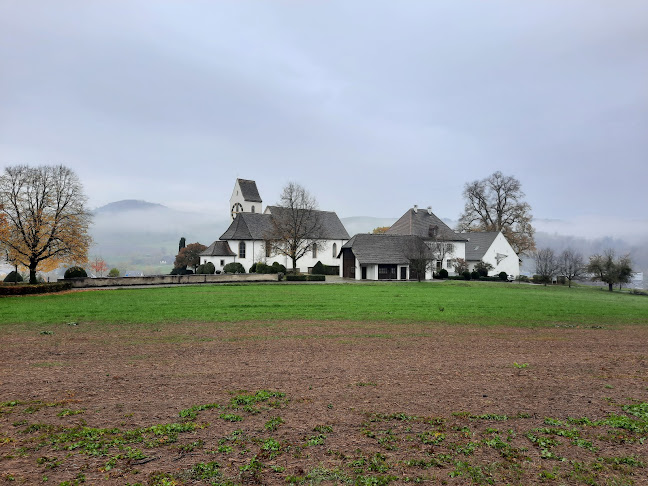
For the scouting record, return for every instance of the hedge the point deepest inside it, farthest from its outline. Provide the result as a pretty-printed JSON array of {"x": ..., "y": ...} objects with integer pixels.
[
  {"x": 304, "y": 278},
  {"x": 34, "y": 289}
]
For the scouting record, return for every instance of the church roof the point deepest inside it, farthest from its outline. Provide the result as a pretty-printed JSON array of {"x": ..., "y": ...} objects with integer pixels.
[
  {"x": 478, "y": 243},
  {"x": 249, "y": 190},
  {"x": 256, "y": 226},
  {"x": 331, "y": 228},
  {"x": 425, "y": 224},
  {"x": 218, "y": 248},
  {"x": 385, "y": 249}
]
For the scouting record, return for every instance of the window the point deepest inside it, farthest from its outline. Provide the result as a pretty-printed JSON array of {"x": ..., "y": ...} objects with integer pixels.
[
  {"x": 242, "y": 249},
  {"x": 314, "y": 250},
  {"x": 222, "y": 263},
  {"x": 334, "y": 250},
  {"x": 253, "y": 208},
  {"x": 268, "y": 248},
  {"x": 450, "y": 263},
  {"x": 449, "y": 248}
]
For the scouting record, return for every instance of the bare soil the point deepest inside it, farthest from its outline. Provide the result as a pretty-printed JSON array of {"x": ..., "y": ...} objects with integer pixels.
[{"x": 336, "y": 375}]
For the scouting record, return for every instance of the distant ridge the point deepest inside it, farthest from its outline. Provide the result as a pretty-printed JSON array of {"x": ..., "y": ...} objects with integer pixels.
[{"x": 128, "y": 205}]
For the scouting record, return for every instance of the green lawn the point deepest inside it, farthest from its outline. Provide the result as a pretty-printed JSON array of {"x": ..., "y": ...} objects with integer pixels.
[{"x": 482, "y": 303}]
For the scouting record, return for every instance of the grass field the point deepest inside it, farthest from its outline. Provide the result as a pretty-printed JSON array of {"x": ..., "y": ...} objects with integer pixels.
[
  {"x": 480, "y": 303},
  {"x": 453, "y": 383}
]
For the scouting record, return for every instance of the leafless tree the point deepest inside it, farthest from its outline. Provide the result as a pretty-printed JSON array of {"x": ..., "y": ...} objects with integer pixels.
[
  {"x": 546, "y": 265},
  {"x": 419, "y": 255},
  {"x": 496, "y": 203},
  {"x": 571, "y": 265},
  {"x": 296, "y": 223},
  {"x": 46, "y": 216}
]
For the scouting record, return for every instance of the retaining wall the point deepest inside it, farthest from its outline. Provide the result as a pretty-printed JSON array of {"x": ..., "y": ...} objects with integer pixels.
[{"x": 169, "y": 280}]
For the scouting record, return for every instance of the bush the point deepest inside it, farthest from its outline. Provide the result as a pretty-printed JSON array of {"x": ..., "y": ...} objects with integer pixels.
[
  {"x": 443, "y": 273},
  {"x": 539, "y": 279},
  {"x": 180, "y": 271},
  {"x": 475, "y": 275},
  {"x": 279, "y": 267},
  {"x": 234, "y": 267},
  {"x": 34, "y": 289},
  {"x": 13, "y": 277},
  {"x": 263, "y": 268},
  {"x": 113, "y": 272},
  {"x": 304, "y": 278},
  {"x": 466, "y": 275},
  {"x": 75, "y": 272},
  {"x": 318, "y": 269},
  {"x": 522, "y": 278},
  {"x": 503, "y": 276},
  {"x": 206, "y": 269},
  {"x": 253, "y": 268}
]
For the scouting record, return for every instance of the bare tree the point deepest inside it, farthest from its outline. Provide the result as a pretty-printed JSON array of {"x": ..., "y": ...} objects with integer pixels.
[
  {"x": 496, "y": 203},
  {"x": 296, "y": 224},
  {"x": 460, "y": 266},
  {"x": 606, "y": 269},
  {"x": 571, "y": 265},
  {"x": 546, "y": 265},
  {"x": 46, "y": 217},
  {"x": 419, "y": 255}
]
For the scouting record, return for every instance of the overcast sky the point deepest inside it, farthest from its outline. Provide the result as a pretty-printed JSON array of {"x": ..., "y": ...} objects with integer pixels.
[{"x": 371, "y": 105}]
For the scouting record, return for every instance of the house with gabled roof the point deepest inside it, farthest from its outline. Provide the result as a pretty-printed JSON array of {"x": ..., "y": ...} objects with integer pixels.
[
  {"x": 249, "y": 237},
  {"x": 491, "y": 247}
]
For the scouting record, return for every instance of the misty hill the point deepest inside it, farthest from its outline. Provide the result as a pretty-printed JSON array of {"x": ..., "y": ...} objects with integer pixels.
[{"x": 128, "y": 205}]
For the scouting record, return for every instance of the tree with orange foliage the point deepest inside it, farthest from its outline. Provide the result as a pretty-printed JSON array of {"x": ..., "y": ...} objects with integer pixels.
[
  {"x": 99, "y": 266},
  {"x": 380, "y": 230},
  {"x": 46, "y": 218}
]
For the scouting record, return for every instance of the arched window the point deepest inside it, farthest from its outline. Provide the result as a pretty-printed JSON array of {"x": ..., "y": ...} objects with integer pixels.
[
  {"x": 334, "y": 250},
  {"x": 253, "y": 208},
  {"x": 314, "y": 250},
  {"x": 242, "y": 249}
]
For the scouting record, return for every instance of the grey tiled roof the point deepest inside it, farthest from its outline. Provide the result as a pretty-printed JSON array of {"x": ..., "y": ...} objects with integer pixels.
[
  {"x": 255, "y": 226},
  {"x": 478, "y": 242},
  {"x": 218, "y": 248},
  {"x": 385, "y": 249},
  {"x": 421, "y": 223},
  {"x": 249, "y": 190},
  {"x": 331, "y": 228}
]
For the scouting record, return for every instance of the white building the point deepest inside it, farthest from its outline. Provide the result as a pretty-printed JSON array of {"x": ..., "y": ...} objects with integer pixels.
[
  {"x": 493, "y": 248},
  {"x": 249, "y": 238}
]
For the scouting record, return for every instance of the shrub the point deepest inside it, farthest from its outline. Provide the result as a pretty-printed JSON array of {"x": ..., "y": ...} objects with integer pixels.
[
  {"x": 466, "y": 275},
  {"x": 13, "y": 277},
  {"x": 180, "y": 271},
  {"x": 475, "y": 275},
  {"x": 482, "y": 268},
  {"x": 503, "y": 276},
  {"x": 234, "y": 267},
  {"x": 318, "y": 269},
  {"x": 253, "y": 268},
  {"x": 443, "y": 273},
  {"x": 206, "y": 269},
  {"x": 263, "y": 268},
  {"x": 279, "y": 267},
  {"x": 522, "y": 278},
  {"x": 304, "y": 278},
  {"x": 75, "y": 272},
  {"x": 113, "y": 272},
  {"x": 34, "y": 289}
]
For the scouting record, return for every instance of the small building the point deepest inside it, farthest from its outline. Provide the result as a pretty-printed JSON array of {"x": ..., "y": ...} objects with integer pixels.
[
  {"x": 493, "y": 248},
  {"x": 376, "y": 257},
  {"x": 219, "y": 253}
]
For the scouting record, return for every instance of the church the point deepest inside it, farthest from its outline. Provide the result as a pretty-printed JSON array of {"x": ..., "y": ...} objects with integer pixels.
[{"x": 249, "y": 237}]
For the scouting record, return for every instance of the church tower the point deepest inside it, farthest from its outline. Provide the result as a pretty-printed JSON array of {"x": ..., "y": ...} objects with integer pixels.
[{"x": 245, "y": 198}]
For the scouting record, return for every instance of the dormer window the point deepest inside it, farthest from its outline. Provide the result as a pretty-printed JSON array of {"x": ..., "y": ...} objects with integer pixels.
[{"x": 433, "y": 230}]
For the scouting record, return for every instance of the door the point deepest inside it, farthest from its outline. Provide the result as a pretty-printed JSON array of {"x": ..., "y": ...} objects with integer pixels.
[
  {"x": 364, "y": 273},
  {"x": 403, "y": 273},
  {"x": 387, "y": 272}
]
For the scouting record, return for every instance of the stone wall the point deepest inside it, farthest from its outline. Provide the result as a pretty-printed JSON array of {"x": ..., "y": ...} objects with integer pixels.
[{"x": 169, "y": 280}]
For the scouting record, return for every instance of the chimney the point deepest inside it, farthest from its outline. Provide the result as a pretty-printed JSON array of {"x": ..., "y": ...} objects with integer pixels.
[
  {"x": 429, "y": 208},
  {"x": 415, "y": 208}
]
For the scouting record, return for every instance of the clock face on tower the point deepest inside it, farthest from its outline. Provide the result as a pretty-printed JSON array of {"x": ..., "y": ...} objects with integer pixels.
[{"x": 237, "y": 208}]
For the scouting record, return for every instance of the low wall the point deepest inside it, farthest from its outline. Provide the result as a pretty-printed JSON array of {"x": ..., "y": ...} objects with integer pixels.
[{"x": 169, "y": 280}]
